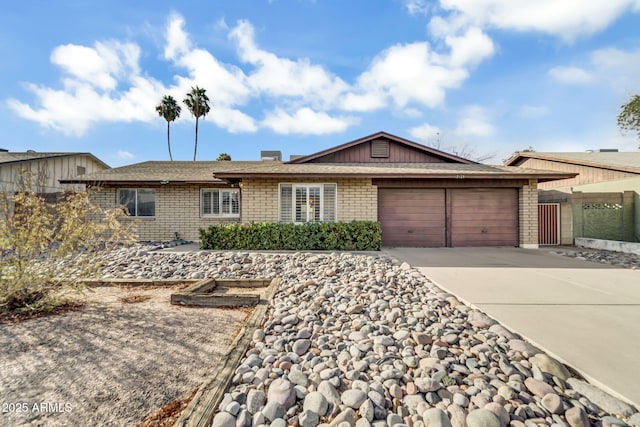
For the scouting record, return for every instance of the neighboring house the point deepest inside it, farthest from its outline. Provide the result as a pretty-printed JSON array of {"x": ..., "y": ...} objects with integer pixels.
[
  {"x": 421, "y": 196},
  {"x": 48, "y": 168},
  {"x": 606, "y": 189}
]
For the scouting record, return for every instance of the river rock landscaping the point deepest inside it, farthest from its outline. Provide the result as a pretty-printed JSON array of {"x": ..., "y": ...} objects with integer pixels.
[
  {"x": 619, "y": 259},
  {"x": 364, "y": 340}
]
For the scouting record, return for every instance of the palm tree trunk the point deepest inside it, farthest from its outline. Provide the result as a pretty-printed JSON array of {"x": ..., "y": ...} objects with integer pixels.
[
  {"x": 195, "y": 148},
  {"x": 169, "y": 142}
]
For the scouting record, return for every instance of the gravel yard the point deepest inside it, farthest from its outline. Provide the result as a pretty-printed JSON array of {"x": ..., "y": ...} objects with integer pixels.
[
  {"x": 348, "y": 340},
  {"x": 110, "y": 363}
]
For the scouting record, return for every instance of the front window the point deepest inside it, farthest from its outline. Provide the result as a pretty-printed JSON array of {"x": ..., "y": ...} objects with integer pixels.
[
  {"x": 220, "y": 203},
  {"x": 307, "y": 202},
  {"x": 138, "y": 201}
]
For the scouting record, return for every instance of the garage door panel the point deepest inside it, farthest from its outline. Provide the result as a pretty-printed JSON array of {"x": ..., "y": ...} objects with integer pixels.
[
  {"x": 403, "y": 211},
  {"x": 484, "y": 217},
  {"x": 412, "y": 217},
  {"x": 493, "y": 217},
  {"x": 419, "y": 217}
]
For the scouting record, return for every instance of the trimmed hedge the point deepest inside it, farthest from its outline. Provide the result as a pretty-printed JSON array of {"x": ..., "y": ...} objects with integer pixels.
[{"x": 339, "y": 236}]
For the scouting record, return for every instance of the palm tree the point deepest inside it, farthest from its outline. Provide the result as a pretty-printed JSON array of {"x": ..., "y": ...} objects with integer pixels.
[
  {"x": 197, "y": 102},
  {"x": 169, "y": 110}
]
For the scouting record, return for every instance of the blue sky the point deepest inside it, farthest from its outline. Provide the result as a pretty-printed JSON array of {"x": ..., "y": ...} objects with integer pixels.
[{"x": 477, "y": 77}]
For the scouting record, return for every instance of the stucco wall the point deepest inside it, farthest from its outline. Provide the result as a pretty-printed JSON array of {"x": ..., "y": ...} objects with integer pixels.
[
  {"x": 528, "y": 213},
  {"x": 357, "y": 198}
]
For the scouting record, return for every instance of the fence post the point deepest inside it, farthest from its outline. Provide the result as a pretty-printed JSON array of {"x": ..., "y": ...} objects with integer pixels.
[{"x": 628, "y": 225}]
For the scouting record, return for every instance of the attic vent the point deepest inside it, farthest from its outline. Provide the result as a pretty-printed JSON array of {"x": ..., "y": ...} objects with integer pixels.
[{"x": 380, "y": 148}]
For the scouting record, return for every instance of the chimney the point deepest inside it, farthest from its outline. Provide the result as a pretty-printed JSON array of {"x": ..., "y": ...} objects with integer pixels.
[{"x": 270, "y": 155}]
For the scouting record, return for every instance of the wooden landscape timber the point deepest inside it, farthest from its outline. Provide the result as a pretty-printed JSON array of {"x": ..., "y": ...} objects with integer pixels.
[
  {"x": 134, "y": 282},
  {"x": 220, "y": 293},
  {"x": 202, "y": 408}
]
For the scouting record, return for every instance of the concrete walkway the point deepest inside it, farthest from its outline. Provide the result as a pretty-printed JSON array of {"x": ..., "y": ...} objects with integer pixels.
[{"x": 585, "y": 314}]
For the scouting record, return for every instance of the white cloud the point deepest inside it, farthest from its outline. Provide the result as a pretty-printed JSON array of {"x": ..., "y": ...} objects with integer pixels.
[
  {"x": 104, "y": 83},
  {"x": 415, "y": 73},
  {"x": 278, "y": 77},
  {"x": 614, "y": 67},
  {"x": 474, "y": 122},
  {"x": 415, "y": 7},
  {"x": 125, "y": 155},
  {"x": 89, "y": 91},
  {"x": 618, "y": 68},
  {"x": 233, "y": 120},
  {"x": 571, "y": 75},
  {"x": 101, "y": 65},
  {"x": 566, "y": 18},
  {"x": 371, "y": 101},
  {"x": 221, "y": 25},
  {"x": 79, "y": 105},
  {"x": 469, "y": 49},
  {"x": 305, "y": 121},
  {"x": 425, "y": 133},
  {"x": 532, "y": 111},
  {"x": 411, "y": 73},
  {"x": 226, "y": 84},
  {"x": 178, "y": 42}
]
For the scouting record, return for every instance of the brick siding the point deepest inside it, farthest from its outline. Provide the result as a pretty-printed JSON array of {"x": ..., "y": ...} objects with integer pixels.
[
  {"x": 528, "y": 213},
  {"x": 178, "y": 206},
  {"x": 357, "y": 198},
  {"x": 177, "y": 210}
]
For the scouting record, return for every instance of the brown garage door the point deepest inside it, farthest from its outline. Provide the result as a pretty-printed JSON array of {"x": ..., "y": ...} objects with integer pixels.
[
  {"x": 483, "y": 217},
  {"x": 412, "y": 217}
]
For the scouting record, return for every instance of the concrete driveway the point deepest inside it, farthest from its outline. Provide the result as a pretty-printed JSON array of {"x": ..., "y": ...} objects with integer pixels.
[{"x": 583, "y": 313}]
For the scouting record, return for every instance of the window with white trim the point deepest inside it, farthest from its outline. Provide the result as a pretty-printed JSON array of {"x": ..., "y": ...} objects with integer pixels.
[
  {"x": 219, "y": 202},
  {"x": 308, "y": 202},
  {"x": 140, "y": 202}
]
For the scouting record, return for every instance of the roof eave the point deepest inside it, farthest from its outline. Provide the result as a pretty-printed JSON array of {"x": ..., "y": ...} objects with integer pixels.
[
  {"x": 462, "y": 175},
  {"x": 588, "y": 163},
  {"x": 56, "y": 156},
  {"x": 99, "y": 182}
]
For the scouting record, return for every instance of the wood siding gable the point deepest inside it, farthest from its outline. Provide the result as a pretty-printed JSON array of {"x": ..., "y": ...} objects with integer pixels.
[
  {"x": 368, "y": 153},
  {"x": 586, "y": 174},
  {"x": 382, "y": 148}
]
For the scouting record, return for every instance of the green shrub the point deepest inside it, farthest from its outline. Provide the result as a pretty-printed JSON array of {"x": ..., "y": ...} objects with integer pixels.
[{"x": 340, "y": 236}]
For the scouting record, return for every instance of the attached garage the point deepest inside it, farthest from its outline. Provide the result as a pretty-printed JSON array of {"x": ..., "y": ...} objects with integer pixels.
[
  {"x": 423, "y": 197},
  {"x": 483, "y": 216},
  {"x": 412, "y": 217},
  {"x": 438, "y": 217}
]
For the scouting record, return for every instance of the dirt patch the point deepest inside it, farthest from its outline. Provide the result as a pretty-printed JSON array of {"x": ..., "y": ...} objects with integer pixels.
[
  {"x": 169, "y": 413},
  {"x": 134, "y": 298},
  {"x": 16, "y": 317},
  {"x": 110, "y": 363}
]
